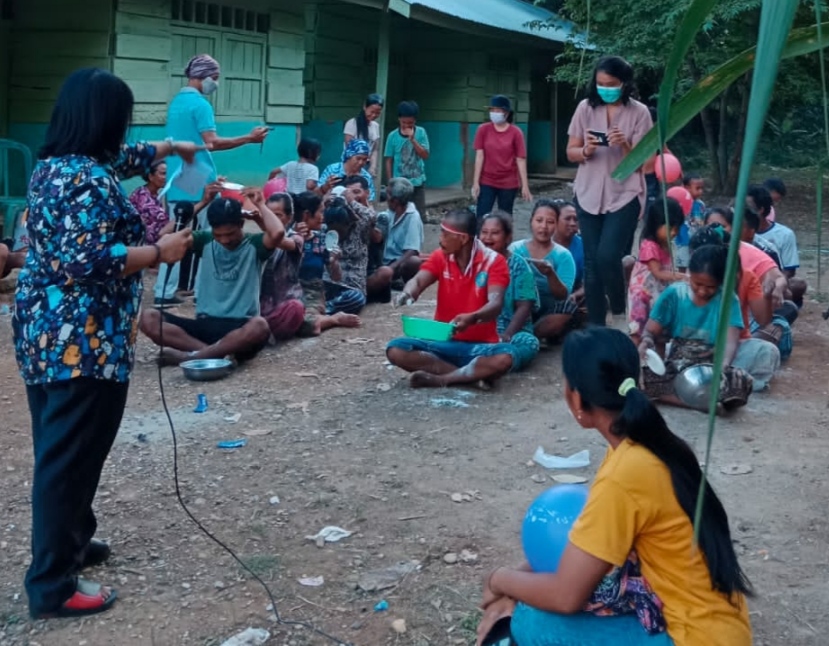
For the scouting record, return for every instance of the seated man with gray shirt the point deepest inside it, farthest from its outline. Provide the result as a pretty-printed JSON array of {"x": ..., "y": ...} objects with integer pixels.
[
  {"x": 403, "y": 237},
  {"x": 227, "y": 319}
]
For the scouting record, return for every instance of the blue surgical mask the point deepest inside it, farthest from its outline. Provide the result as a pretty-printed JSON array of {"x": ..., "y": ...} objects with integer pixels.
[
  {"x": 209, "y": 86},
  {"x": 609, "y": 94}
]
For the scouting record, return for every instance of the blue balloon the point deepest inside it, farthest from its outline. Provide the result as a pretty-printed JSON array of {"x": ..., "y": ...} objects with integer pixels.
[{"x": 546, "y": 527}]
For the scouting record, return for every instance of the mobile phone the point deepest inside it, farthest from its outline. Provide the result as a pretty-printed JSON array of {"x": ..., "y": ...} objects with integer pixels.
[{"x": 602, "y": 136}]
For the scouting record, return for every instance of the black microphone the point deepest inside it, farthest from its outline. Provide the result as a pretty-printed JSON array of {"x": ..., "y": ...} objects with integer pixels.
[{"x": 183, "y": 214}]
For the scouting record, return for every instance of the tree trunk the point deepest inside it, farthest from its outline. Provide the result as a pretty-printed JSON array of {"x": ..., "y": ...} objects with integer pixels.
[
  {"x": 711, "y": 142},
  {"x": 737, "y": 157},
  {"x": 722, "y": 149},
  {"x": 707, "y": 119}
]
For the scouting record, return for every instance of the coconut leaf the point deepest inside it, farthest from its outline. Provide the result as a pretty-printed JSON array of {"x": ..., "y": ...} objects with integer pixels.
[{"x": 776, "y": 17}]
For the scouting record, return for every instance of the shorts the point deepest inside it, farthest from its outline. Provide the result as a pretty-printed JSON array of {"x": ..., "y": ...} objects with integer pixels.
[
  {"x": 550, "y": 306},
  {"x": 211, "y": 329},
  {"x": 461, "y": 353},
  {"x": 526, "y": 347}
]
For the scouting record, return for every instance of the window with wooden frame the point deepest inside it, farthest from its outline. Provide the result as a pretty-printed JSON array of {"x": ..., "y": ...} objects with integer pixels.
[{"x": 234, "y": 36}]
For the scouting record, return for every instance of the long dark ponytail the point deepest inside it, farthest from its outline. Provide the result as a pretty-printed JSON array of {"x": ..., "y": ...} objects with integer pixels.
[
  {"x": 362, "y": 120},
  {"x": 596, "y": 362}
]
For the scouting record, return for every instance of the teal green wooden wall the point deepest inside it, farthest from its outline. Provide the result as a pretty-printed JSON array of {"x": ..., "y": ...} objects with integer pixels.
[{"x": 319, "y": 62}]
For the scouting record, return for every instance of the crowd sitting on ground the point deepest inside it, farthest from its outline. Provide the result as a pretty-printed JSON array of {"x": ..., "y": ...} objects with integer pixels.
[
  {"x": 505, "y": 298},
  {"x": 322, "y": 253}
]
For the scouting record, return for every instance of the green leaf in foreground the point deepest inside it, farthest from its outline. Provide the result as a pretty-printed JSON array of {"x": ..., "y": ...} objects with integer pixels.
[{"x": 800, "y": 41}]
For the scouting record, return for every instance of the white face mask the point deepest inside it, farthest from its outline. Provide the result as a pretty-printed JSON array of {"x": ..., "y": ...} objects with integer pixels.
[
  {"x": 497, "y": 118},
  {"x": 209, "y": 86}
]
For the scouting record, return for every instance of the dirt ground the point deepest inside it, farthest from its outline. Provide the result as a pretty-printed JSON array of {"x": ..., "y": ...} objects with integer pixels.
[{"x": 336, "y": 437}]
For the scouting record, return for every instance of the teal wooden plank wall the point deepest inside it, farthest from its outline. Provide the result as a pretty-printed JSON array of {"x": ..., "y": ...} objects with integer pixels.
[{"x": 50, "y": 39}]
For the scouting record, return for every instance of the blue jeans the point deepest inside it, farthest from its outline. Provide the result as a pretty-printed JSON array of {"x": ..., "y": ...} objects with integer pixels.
[
  {"x": 461, "y": 353},
  {"x": 531, "y": 627}
]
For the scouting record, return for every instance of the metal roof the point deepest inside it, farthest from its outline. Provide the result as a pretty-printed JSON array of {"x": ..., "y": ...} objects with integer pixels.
[{"x": 508, "y": 15}]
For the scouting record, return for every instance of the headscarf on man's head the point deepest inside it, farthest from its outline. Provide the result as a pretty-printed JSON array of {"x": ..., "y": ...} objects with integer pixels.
[
  {"x": 201, "y": 66},
  {"x": 355, "y": 147}
]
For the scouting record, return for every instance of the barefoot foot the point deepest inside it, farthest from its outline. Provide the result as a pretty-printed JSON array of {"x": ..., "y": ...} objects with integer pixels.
[{"x": 421, "y": 379}]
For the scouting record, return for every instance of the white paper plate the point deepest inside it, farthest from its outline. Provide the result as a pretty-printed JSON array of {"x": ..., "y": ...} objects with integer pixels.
[
  {"x": 230, "y": 186},
  {"x": 654, "y": 362}
]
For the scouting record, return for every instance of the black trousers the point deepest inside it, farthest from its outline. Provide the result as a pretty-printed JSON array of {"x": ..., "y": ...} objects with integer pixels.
[
  {"x": 606, "y": 237},
  {"x": 74, "y": 424}
]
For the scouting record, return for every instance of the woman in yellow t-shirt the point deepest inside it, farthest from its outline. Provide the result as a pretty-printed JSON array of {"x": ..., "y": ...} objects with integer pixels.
[{"x": 642, "y": 502}]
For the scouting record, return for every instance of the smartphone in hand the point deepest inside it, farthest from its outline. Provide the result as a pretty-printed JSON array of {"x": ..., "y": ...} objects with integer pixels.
[{"x": 601, "y": 136}]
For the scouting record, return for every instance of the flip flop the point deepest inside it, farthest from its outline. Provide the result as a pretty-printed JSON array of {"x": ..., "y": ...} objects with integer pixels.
[
  {"x": 96, "y": 553},
  {"x": 88, "y": 599},
  {"x": 500, "y": 635}
]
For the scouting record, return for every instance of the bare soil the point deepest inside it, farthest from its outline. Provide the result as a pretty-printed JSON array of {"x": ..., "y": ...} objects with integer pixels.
[{"x": 337, "y": 435}]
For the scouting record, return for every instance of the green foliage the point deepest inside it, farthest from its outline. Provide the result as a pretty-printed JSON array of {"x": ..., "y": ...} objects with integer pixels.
[
  {"x": 644, "y": 33},
  {"x": 799, "y": 42},
  {"x": 775, "y": 24}
]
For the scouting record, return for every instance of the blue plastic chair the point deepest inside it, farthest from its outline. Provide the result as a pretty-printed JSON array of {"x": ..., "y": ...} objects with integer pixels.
[{"x": 12, "y": 206}]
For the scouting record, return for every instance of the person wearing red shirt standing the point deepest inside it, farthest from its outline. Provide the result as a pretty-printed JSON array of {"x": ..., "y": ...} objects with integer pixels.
[
  {"x": 471, "y": 282},
  {"x": 500, "y": 160}
]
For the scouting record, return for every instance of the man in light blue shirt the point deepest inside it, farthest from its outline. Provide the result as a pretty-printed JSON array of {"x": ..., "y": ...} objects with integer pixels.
[
  {"x": 402, "y": 230},
  {"x": 190, "y": 117}
]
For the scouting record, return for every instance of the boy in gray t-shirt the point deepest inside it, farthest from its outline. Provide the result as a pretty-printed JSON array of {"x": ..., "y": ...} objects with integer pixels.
[{"x": 227, "y": 319}]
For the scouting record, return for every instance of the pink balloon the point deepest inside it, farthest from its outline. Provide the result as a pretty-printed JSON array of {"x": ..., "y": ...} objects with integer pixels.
[
  {"x": 275, "y": 185},
  {"x": 673, "y": 169},
  {"x": 681, "y": 195}
]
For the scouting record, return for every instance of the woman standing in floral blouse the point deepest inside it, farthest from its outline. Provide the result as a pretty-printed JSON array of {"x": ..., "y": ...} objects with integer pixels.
[{"x": 75, "y": 324}]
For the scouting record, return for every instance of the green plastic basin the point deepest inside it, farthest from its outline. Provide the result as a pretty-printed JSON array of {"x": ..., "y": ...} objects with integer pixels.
[{"x": 427, "y": 329}]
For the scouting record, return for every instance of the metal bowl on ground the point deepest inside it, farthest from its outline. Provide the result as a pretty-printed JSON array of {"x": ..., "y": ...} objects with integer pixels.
[
  {"x": 693, "y": 385},
  {"x": 207, "y": 369}
]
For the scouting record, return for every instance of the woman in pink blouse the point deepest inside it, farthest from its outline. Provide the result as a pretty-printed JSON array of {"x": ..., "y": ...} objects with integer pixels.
[
  {"x": 150, "y": 206},
  {"x": 605, "y": 127}
]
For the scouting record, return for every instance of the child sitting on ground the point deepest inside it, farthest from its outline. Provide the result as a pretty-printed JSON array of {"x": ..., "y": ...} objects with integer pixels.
[
  {"x": 683, "y": 235},
  {"x": 308, "y": 220},
  {"x": 653, "y": 271},
  {"x": 777, "y": 188},
  {"x": 301, "y": 175},
  {"x": 695, "y": 185}
]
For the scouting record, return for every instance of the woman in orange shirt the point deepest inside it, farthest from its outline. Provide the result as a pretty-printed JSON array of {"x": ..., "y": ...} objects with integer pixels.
[{"x": 639, "y": 514}]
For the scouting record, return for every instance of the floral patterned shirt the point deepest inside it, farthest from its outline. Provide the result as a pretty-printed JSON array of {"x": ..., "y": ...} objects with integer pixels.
[
  {"x": 152, "y": 212},
  {"x": 76, "y": 315}
]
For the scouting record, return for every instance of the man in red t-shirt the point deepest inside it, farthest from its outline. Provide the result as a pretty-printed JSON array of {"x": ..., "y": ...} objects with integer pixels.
[{"x": 471, "y": 282}]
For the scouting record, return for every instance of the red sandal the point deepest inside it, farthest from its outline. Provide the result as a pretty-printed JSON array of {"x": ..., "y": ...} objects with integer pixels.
[{"x": 89, "y": 599}]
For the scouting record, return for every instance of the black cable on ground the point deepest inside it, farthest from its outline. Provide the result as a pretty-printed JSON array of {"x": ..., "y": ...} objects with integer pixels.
[{"x": 196, "y": 522}]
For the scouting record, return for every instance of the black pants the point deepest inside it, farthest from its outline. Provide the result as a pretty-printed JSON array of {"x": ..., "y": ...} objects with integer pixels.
[
  {"x": 488, "y": 196},
  {"x": 419, "y": 199},
  {"x": 74, "y": 424},
  {"x": 606, "y": 237}
]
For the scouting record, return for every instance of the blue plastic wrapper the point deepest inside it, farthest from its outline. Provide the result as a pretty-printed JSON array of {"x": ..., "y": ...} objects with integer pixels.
[
  {"x": 201, "y": 403},
  {"x": 381, "y": 606},
  {"x": 231, "y": 444}
]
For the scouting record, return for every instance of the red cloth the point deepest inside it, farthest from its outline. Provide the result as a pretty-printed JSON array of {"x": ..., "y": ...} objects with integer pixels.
[
  {"x": 501, "y": 149},
  {"x": 464, "y": 292},
  {"x": 749, "y": 289}
]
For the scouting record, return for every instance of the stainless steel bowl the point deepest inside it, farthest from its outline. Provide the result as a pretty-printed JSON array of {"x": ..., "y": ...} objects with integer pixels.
[
  {"x": 207, "y": 369},
  {"x": 693, "y": 385}
]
